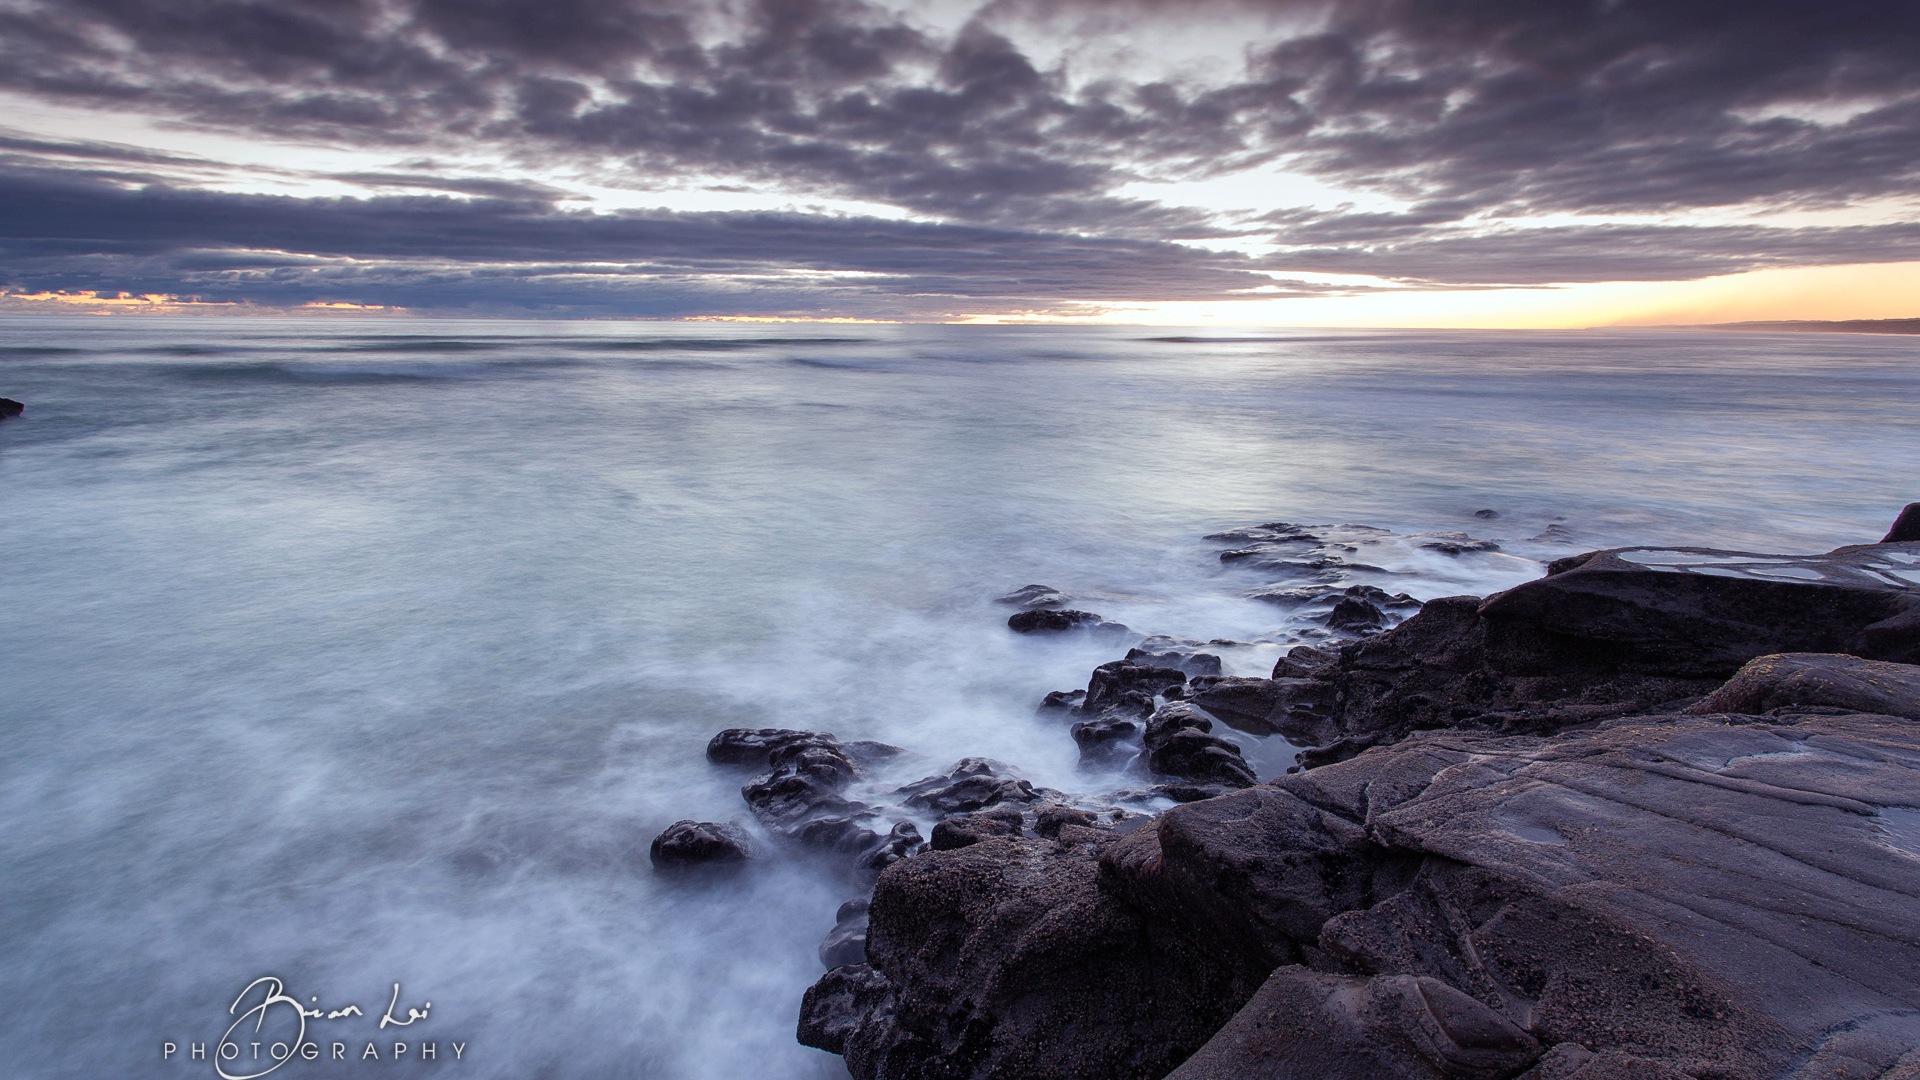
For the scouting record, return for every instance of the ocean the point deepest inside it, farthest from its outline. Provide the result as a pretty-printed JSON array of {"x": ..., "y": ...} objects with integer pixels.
[{"x": 363, "y": 652}]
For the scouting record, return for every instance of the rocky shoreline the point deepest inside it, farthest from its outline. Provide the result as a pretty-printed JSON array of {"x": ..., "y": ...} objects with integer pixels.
[{"x": 1655, "y": 814}]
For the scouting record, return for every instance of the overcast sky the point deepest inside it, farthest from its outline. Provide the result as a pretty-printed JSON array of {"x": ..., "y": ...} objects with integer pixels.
[{"x": 1381, "y": 161}]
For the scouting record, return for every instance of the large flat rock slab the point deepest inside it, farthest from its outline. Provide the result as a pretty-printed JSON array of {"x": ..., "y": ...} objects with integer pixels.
[
  {"x": 1705, "y": 611},
  {"x": 1702, "y": 896}
]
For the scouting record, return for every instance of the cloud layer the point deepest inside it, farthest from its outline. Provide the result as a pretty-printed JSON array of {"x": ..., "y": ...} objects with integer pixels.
[{"x": 1512, "y": 142}]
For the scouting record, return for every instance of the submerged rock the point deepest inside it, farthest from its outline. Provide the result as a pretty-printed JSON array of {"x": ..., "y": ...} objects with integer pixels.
[
  {"x": 1030, "y": 597},
  {"x": 972, "y": 784},
  {"x": 1054, "y": 621},
  {"x": 689, "y": 843}
]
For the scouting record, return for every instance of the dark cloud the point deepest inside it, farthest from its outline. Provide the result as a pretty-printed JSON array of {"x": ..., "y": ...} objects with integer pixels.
[
  {"x": 1476, "y": 112},
  {"x": 63, "y": 231}
]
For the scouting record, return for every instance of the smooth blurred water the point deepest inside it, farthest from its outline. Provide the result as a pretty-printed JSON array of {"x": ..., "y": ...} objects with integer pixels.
[{"x": 357, "y": 652}]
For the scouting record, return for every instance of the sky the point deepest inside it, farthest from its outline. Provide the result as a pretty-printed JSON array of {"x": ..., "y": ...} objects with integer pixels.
[{"x": 1201, "y": 162}]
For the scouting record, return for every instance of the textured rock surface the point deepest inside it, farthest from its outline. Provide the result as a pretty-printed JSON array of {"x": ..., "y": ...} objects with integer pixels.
[
  {"x": 1595, "y": 827},
  {"x": 1604, "y": 634},
  {"x": 1006, "y": 959},
  {"x": 1711, "y": 895},
  {"x": 699, "y": 843},
  {"x": 1827, "y": 680}
]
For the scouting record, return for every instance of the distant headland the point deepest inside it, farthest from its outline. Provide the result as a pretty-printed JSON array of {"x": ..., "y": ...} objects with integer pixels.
[{"x": 1848, "y": 326}]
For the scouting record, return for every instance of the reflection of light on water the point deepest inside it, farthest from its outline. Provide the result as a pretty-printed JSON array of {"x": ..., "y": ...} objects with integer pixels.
[{"x": 391, "y": 672}]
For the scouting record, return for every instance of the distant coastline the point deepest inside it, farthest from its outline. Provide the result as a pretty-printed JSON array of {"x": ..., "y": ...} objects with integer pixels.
[{"x": 1848, "y": 326}]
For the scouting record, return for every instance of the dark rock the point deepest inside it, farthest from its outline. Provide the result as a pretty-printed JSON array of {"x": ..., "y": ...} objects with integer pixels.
[
  {"x": 1062, "y": 699},
  {"x": 1335, "y": 1027},
  {"x": 902, "y": 841},
  {"x": 1048, "y": 621},
  {"x": 1307, "y": 662},
  {"x": 961, "y": 830},
  {"x": 1336, "y": 751},
  {"x": 1611, "y": 633},
  {"x": 10, "y": 408},
  {"x": 1790, "y": 681},
  {"x": 1178, "y": 744},
  {"x": 846, "y": 943},
  {"x": 801, "y": 797},
  {"x": 1006, "y": 959},
  {"x": 1109, "y": 741},
  {"x": 751, "y": 746},
  {"x": 1906, "y": 527},
  {"x": 1126, "y": 687},
  {"x": 1486, "y": 515},
  {"x": 689, "y": 843},
  {"x": 845, "y": 832},
  {"x": 1191, "y": 663},
  {"x": 1655, "y": 896},
  {"x": 1271, "y": 532},
  {"x": 1239, "y": 702},
  {"x": 1459, "y": 544},
  {"x": 845, "y": 1000},
  {"x": 755, "y": 747},
  {"x": 1355, "y": 616},
  {"x": 1030, "y": 597},
  {"x": 1201, "y": 758},
  {"x": 972, "y": 784},
  {"x": 1053, "y": 817}
]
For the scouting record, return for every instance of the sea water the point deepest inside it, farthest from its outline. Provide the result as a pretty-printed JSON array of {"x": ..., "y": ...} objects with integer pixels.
[{"x": 369, "y": 654}]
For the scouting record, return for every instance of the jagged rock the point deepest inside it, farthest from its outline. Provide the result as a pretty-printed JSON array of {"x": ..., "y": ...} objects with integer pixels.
[
  {"x": 1030, "y": 597},
  {"x": 1459, "y": 544},
  {"x": 843, "y": 1002},
  {"x": 1062, "y": 699},
  {"x": 1672, "y": 895},
  {"x": 1106, "y": 742},
  {"x": 1240, "y": 702},
  {"x": 1906, "y": 527},
  {"x": 754, "y": 747},
  {"x": 972, "y": 784},
  {"x": 1127, "y": 687},
  {"x": 1354, "y": 615},
  {"x": 1052, "y": 621},
  {"x": 1186, "y": 661},
  {"x": 1053, "y": 817},
  {"x": 1610, "y": 633},
  {"x": 10, "y": 408},
  {"x": 962, "y": 829},
  {"x": 1006, "y": 959},
  {"x": 1307, "y": 662},
  {"x": 1271, "y": 533},
  {"x": 751, "y": 746},
  {"x": 846, "y": 943},
  {"x": 801, "y": 796},
  {"x": 688, "y": 843},
  {"x": 1178, "y": 743},
  {"x": 1818, "y": 680},
  {"x": 903, "y": 840},
  {"x": 1334, "y": 1027}
]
